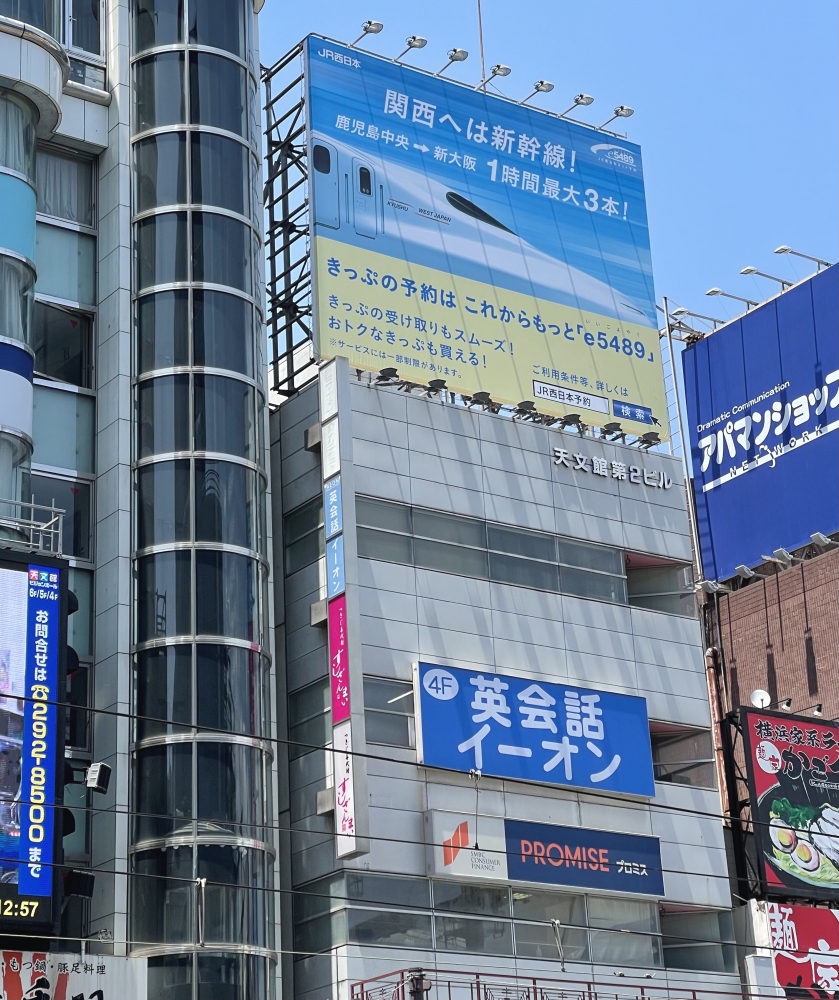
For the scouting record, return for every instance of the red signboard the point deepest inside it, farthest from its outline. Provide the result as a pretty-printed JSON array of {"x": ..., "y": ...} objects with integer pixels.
[
  {"x": 805, "y": 950},
  {"x": 339, "y": 659},
  {"x": 793, "y": 770}
]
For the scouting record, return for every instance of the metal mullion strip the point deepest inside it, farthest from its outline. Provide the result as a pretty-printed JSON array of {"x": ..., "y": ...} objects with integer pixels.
[
  {"x": 166, "y": 286},
  {"x": 188, "y": 47},
  {"x": 173, "y": 456},
  {"x": 200, "y": 207},
  {"x": 197, "y": 369},
  {"x": 195, "y": 126}
]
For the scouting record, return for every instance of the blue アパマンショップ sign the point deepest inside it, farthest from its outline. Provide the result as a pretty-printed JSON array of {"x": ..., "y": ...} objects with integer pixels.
[
  {"x": 763, "y": 419},
  {"x": 40, "y": 733},
  {"x": 511, "y": 727}
]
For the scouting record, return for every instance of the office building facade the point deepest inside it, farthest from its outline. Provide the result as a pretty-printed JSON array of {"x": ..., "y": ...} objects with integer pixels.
[{"x": 474, "y": 542}]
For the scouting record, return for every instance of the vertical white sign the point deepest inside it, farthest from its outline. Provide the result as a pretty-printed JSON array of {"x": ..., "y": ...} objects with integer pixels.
[
  {"x": 328, "y": 380},
  {"x": 345, "y": 830},
  {"x": 330, "y": 449}
]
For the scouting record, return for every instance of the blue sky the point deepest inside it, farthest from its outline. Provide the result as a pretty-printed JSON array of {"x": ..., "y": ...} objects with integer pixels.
[{"x": 735, "y": 110}]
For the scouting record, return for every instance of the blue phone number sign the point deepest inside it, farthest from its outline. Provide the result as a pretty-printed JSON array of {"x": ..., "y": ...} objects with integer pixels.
[{"x": 512, "y": 727}]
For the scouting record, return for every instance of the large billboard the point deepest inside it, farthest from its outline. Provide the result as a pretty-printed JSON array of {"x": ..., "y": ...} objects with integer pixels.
[
  {"x": 31, "y": 632},
  {"x": 462, "y": 236},
  {"x": 763, "y": 413},
  {"x": 512, "y": 727},
  {"x": 805, "y": 950},
  {"x": 792, "y": 764}
]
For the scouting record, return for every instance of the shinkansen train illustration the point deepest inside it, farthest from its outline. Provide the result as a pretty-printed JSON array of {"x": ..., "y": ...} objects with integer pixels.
[{"x": 406, "y": 214}]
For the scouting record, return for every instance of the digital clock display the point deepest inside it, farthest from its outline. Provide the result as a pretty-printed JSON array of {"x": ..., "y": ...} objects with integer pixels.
[{"x": 23, "y": 909}]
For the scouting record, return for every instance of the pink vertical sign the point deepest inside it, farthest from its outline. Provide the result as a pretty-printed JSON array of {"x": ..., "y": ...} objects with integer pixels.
[{"x": 339, "y": 659}]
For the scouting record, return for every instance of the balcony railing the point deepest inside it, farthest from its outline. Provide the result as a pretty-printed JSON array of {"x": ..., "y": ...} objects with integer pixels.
[{"x": 33, "y": 527}]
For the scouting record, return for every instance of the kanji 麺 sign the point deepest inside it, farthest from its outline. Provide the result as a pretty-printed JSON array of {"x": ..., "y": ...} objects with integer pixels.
[{"x": 513, "y": 727}]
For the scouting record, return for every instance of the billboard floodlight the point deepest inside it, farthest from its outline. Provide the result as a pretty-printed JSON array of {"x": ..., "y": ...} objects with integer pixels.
[
  {"x": 727, "y": 295},
  {"x": 711, "y": 587},
  {"x": 797, "y": 253},
  {"x": 580, "y": 101},
  {"x": 368, "y": 28},
  {"x": 499, "y": 69},
  {"x": 412, "y": 42},
  {"x": 681, "y": 311},
  {"x": 762, "y": 274},
  {"x": 744, "y": 572},
  {"x": 820, "y": 539},
  {"x": 621, "y": 111},
  {"x": 540, "y": 87},
  {"x": 455, "y": 55}
]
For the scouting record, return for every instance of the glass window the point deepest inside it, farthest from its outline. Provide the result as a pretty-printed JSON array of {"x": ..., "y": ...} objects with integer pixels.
[
  {"x": 74, "y": 499},
  {"x": 450, "y": 558},
  {"x": 17, "y": 295},
  {"x": 221, "y": 251},
  {"x": 163, "y": 595},
  {"x": 391, "y": 928},
  {"x": 590, "y": 556},
  {"x": 229, "y": 689},
  {"x": 157, "y": 22},
  {"x": 162, "y": 891},
  {"x": 627, "y": 941},
  {"x": 539, "y": 941},
  {"x": 224, "y": 503},
  {"x": 80, "y": 624},
  {"x": 65, "y": 183},
  {"x": 222, "y": 331},
  {"x": 63, "y": 342},
  {"x": 160, "y": 249},
  {"x": 231, "y": 977},
  {"x": 84, "y": 26},
  {"x": 77, "y": 844},
  {"x": 492, "y": 937},
  {"x": 224, "y": 416},
  {"x": 597, "y": 586},
  {"x": 158, "y": 91},
  {"x": 308, "y": 717},
  {"x": 523, "y": 572},
  {"x": 217, "y": 93},
  {"x": 234, "y": 908},
  {"x": 519, "y": 542},
  {"x": 227, "y": 595},
  {"x": 163, "y": 415},
  {"x": 684, "y": 757},
  {"x": 160, "y": 171},
  {"x": 388, "y": 890},
  {"x": 63, "y": 428},
  {"x": 389, "y": 712},
  {"x": 78, "y": 695},
  {"x": 218, "y": 25},
  {"x": 162, "y": 330},
  {"x": 163, "y": 690},
  {"x": 230, "y": 788},
  {"x": 162, "y": 790},
  {"x": 449, "y": 528},
  {"x": 18, "y": 119},
  {"x": 700, "y": 940},
  {"x": 66, "y": 263},
  {"x": 170, "y": 977},
  {"x": 387, "y": 516},
  {"x": 304, "y": 541},
  {"x": 460, "y": 897},
  {"x": 162, "y": 503},
  {"x": 385, "y": 546}
]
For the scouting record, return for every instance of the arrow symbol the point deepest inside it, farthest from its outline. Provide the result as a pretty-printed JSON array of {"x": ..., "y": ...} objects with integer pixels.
[{"x": 423, "y": 149}]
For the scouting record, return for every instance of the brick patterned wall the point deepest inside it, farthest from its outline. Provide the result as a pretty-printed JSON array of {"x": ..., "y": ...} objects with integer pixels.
[{"x": 781, "y": 633}]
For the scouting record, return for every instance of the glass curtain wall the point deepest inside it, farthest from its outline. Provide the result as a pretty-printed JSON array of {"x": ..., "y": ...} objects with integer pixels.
[{"x": 202, "y": 854}]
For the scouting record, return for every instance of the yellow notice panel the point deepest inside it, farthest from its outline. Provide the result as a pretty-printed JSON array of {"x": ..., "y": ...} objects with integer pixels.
[{"x": 381, "y": 312}]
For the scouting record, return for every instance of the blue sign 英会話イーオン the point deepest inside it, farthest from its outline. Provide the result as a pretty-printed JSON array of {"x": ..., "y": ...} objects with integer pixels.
[
  {"x": 333, "y": 511},
  {"x": 511, "y": 727},
  {"x": 335, "y": 582},
  {"x": 762, "y": 398},
  {"x": 589, "y": 859},
  {"x": 475, "y": 240},
  {"x": 40, "y": 733}
]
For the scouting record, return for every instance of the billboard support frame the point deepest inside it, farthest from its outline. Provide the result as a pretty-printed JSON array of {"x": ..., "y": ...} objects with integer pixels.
[{"x": 286, "y": 203}]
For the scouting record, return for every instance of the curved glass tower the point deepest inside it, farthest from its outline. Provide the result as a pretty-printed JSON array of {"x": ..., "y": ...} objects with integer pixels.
[{"x": 201, "y": 763}]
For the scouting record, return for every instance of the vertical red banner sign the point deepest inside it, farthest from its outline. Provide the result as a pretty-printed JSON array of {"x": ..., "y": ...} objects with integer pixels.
[{"x": 339, "y": 661}]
